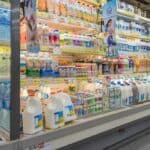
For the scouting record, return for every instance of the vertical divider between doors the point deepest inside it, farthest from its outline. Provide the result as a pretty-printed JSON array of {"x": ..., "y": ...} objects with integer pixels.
[{"x": 15, "y": 70}]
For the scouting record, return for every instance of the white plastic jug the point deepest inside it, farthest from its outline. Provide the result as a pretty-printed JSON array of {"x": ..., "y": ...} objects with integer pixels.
[
  {"x": 123, "y": 94},
  {"x": 144, "y": 85},
  {"x": 141, "y": 91},
  {"x": 54, "y": 115},
  {"x": 68, "y": 108},
  {"x": 32, "y": 116},
  {"x": 114, "y": 95},
  {"x": 129, "y": 95}
]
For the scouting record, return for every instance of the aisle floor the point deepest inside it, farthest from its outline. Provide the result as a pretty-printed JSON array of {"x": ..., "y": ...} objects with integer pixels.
[{"x": 142, "y": 143}]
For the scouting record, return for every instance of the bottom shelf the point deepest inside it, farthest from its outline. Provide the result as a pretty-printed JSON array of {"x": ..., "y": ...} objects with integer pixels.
[{"x": 84, "y": 128}]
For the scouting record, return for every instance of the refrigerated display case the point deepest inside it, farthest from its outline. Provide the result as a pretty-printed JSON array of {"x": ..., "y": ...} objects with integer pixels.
[{"x": 71, "y": 76}]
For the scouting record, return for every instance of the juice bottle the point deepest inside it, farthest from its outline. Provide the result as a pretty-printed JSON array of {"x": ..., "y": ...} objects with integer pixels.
[
  {"x": 42, "y": 5},
  {"x": 71, "y": 9},
  {"x": 120, "y": 66},
  {"x": 84, "y": 11},
  {"x": 137, "y": 64},
  {"x": 68, "y": 8},
  {"x": 46, "y": 31},
  {"x": 79, "y": 10},
  {"x": 23, "y": 33},
  {"x": 40, "y": 33},
  {"x": 90, "y": 14},
  {"x": 63, "y": 7},
  {"x": 57, "y": 7},
  {"x": 51, "y": 6},
  {"x": 94, "y": 13},
  {"x": 127, "y": 65},
  {"x": 74, "y": 8},
  {"x": 56, "y": 38}
]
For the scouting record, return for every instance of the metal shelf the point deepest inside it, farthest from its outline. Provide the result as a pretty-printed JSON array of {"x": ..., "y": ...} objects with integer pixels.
[
  {"x": 90, "y": 2},
  {"x": 132, "y": 16},
  {"x": 62, "y": 26},
  {"x": 133, "y": 36}
]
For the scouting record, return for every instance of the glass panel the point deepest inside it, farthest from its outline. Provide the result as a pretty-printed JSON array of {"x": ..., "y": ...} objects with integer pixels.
[{"x": 5, "y": 52}]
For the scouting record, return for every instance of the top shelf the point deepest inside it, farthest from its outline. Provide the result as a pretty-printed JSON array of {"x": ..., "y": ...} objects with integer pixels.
[
  {"x": 90, "y": 2},
  {"x": 66, "y": 26},
  {"x": 86, "y": 128},
  {"x": 132, "y": 16}
]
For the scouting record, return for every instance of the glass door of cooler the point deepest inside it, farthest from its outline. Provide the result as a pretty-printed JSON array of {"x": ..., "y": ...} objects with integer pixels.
[
  {"x": 5, "y": 54},
  {"x": 8, "y": 70}
]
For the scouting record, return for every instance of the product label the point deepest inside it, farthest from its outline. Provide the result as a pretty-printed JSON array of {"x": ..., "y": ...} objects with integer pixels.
[
  {"x": 38, "y": 120},
  {"x": 59, "y": 117},
  {"x": 69, "y": 111}
]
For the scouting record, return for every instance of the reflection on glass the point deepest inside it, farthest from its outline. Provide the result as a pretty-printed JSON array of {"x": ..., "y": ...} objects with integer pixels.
[{"x": 5, "y": 66}]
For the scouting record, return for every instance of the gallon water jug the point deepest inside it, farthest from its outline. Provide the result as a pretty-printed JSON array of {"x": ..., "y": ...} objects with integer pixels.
[
  {"x": 32, "y": 116},
  {"x": 54, "y": 115},
  {"x": 123, "y": 94},
  {"x": 141, "y": 91},
  {"x": 129, "y": 94},
  {"x": 68, "y": 108}
]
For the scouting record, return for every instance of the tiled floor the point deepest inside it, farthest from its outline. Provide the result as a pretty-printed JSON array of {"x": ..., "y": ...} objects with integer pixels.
[{"x": 142, "y": 143}]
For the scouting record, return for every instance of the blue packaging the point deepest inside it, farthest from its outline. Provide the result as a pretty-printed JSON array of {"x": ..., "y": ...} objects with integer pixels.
[{"x": 4, "y": 25}]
